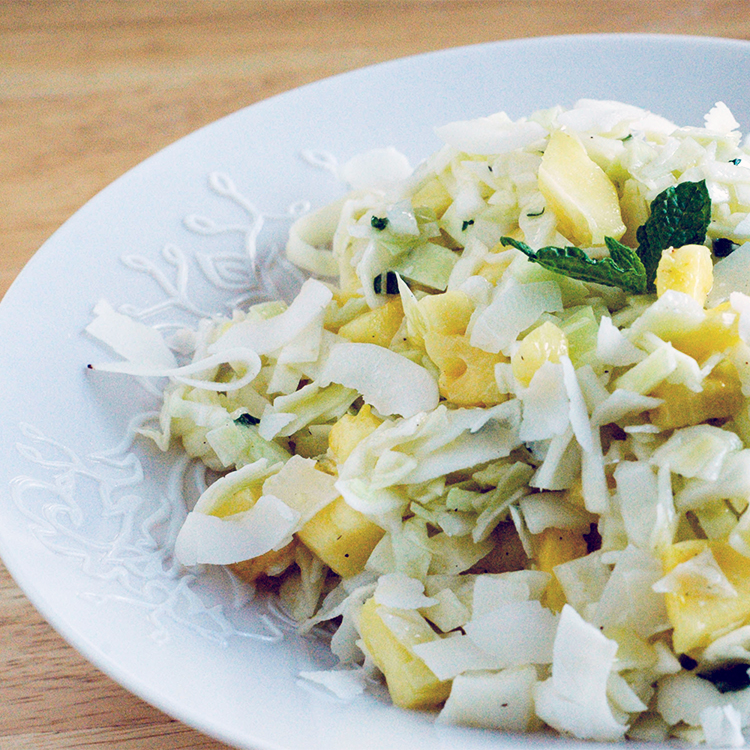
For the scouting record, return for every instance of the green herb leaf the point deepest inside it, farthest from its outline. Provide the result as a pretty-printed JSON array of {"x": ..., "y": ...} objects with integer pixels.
[
  {"x": 623, "y": 268},
  {"x": 379, "y": 223},
  {"x": 680, "y": 215}
]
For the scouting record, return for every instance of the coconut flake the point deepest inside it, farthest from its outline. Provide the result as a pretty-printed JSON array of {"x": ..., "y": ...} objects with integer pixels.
[
  {"x": 399, "y": 591},
  {"x": 377, "y": 169},
  {"x": 720, "y": 119},
  {"x": 613, "y": 348},
  {"x": 343, "y": 683},
  {"x": 574, "y": 698},
  {"x": 302, "y": 487},
  {"x": 496, "y": 134},
  {"x": 388, "y": 381},
  {"x": 528, "y": 632},
  {"x": 501, "y": 700},
  {"x": 206, "y": 539}
]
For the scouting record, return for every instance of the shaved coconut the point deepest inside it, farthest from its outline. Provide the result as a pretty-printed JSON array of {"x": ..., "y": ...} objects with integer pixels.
[
  {"x": 376, "y": 169},
  {"x": 402, "y": 592},
  {"x": 501, "y": 700},
  {"x": 528, "y": 631},
  {"x": 613, "y": 348},
  {"x": 612, "y": 117},
  {"x": 722, "y": 726},
  {"x": 699, "y": 575},
  {"x": 451, "y": 656},
  {"x": 631, "y": 580},
  {"x": 574, "y": 699},
  {"x": 720, "y": 119},
  {"x": 389, "y": 381},
  {"x": 514, "y": 308},
  {"x": 302, "y": 487},
  {"x": 343, "y": 683},
  {"x": 205, "y": 539},
  {"x": 265, "y": 336},
  {"x": 135, "y": 341},
  {"x": 492, "y": 590},
  {"x": 583, "y": 580},
  {"x": 496, "y": 134}
]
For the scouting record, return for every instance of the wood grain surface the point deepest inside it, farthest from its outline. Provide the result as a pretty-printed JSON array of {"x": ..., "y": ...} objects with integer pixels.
[{"x": 88, "y": 89}]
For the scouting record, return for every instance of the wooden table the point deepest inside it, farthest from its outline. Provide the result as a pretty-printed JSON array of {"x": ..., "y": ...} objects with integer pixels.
[{"x": 89, "y": 88}]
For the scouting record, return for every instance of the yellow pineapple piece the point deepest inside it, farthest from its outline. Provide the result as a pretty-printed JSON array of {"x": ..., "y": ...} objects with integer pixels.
[
  {"x": 721, "y": 398},
  {"x": 377, "y": 326},
  {"x": 547, "y": 343},
  {"x": 717, "y": 333},
  {"x": 554, "y": 547},
  {"x": 239, "y": 502},
  {"x": 467, "y": 374},
  {"x": 434, "y": 195},
  {"x": 411, "y": 683},
  {"x": 342, "y": 537},
  {"x": 446, "y": 313},
  {"x": 687, "y": 269},
  {"x": 578, "y": 191},
  {"x": 272, "y": 563},
  {"x": 348, "y": 431},
  {"x": 698, "y": 617}
]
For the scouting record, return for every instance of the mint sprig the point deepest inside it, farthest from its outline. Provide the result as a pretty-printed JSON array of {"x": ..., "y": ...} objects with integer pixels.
[
  {"x": 623, "y": 268},
  {"x": 680, "y": 215}
]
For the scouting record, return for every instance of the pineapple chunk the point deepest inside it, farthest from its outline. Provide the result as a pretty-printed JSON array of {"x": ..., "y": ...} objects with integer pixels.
[
  {"x": 446, "y": 313},
  {"x": 272, "y": 563},
  {"x": 554, "y": 547},
  {"x": 467, "y": 374},
  {"x": 388, "y": 635},
  {"x": 349, "y": 431},
  {"x": 721, "y": 398},
  {"x": 687, "y": 269},
  {"x": 579, "y": 192},
  {"x": 239, "y": 502},
  {"x": 547, "y": 343},
  {"x": 342, "y": 537},
  {"x": 377, "y": 326},
  {"x": 718, "y": 332},
  {"x": 699, "y": 618}
]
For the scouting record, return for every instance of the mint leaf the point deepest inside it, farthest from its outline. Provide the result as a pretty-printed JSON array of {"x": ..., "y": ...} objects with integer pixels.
[
  {"x": 623, "y": 268},
  {"x": 680, "y": 215}
]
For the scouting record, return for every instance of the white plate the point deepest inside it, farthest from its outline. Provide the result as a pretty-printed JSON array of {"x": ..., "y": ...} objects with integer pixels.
[{"x": 85, "y": 515}]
